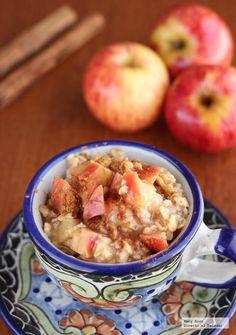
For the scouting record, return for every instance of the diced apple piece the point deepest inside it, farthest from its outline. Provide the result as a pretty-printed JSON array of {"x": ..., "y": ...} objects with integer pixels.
[
  {"x": 116, "y": 182},
  {"x": 85, "y": 170},
  {"x": 63, "y": 196},
  {"x": 89, "y": 175},
  {"x": 134, "y": 195},
  {"x": 138, "y": 191},
  {"x": 95, "y": 205},
  {"x": 83, "y": 241},
  {"x": 111, "y": 211},
  {"x": 149, "y": 173},
  {"x": 65, "y": 229},
  {"x": 103, "y": 176},
  {"x": 156, "y": 242},
  {"x": 93, "y": 171}
]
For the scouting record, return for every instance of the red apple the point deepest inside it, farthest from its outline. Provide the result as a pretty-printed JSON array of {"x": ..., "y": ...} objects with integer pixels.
[
  {"x": 189, "y": 35},
  {"x": 201, "y": 108},
  {"x": 125, "y": 85}
]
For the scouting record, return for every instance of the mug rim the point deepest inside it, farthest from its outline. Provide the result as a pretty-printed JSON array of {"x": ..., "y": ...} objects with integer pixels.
[{"x": 80, "y": 265}]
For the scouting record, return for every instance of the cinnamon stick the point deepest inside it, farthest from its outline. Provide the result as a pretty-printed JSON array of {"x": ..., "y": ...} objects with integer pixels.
[
  {"x": 22, "y": 78},
  {"x": 35, "y": 38}
]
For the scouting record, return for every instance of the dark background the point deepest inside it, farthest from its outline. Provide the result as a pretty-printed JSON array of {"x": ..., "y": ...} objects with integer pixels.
[{"x": 51, "y": 116}]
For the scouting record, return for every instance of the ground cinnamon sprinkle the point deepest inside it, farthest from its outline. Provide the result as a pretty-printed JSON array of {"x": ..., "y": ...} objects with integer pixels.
[{"x": 112, "y": 209}]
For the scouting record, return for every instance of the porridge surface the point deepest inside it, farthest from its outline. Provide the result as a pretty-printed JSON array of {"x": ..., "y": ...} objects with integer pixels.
[{"x": 112, "y": 209}]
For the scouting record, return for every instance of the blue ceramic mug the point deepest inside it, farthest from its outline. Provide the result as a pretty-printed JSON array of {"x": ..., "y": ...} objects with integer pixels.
[{"x": 119, "y": 285}]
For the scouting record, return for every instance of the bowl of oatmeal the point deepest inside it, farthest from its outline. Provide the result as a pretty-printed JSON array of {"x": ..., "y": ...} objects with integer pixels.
[
  {"x": 109, "y": 220},
  {"x": 112, "y": 209}
]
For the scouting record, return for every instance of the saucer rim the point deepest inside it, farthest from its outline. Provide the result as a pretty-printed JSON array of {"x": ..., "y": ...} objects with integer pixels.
[
  {"x": 15, "y": 329},
  {"x": 4, "y": 314}
]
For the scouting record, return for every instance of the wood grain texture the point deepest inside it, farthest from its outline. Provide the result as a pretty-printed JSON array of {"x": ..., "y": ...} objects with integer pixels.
[
  {"x": 35, "y": 38},
  {"x": 52, "y": 116}
]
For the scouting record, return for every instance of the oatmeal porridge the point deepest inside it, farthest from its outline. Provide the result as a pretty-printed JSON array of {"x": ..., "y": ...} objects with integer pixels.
[{"x": 110, "y": 209}]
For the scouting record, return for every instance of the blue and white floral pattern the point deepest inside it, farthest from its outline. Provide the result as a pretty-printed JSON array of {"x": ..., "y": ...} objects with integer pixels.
[{"x": 31, "y": 302}]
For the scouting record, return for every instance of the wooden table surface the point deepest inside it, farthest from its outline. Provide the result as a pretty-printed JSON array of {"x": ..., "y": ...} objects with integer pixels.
[{"x": 52, "y": 116}]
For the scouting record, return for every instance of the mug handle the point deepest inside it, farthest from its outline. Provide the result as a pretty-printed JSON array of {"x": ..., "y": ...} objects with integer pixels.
[{"x": 205, "y": 272}]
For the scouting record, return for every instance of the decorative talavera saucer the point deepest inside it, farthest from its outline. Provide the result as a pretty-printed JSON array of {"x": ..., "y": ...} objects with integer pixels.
[{"x": 30, "y": 303}]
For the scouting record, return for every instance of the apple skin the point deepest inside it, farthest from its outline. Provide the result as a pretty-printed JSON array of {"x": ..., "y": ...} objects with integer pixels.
[
  {"x": 125, "y": 85},
  {"x": 200, "y": 108},
  {"x": 191, "y": 34}
]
